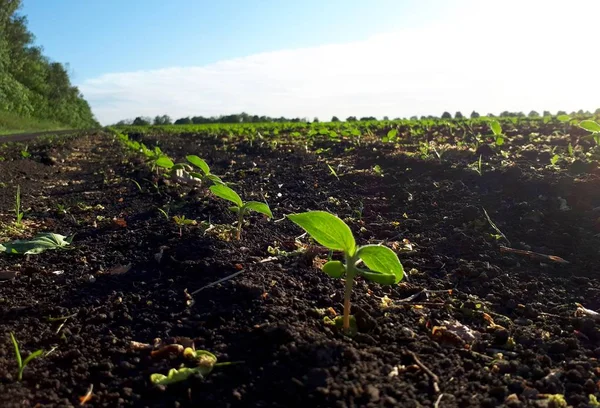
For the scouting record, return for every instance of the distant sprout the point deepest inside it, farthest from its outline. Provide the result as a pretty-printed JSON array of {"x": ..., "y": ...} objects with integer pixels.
[
  {"x": 563, "y": 118},
  {"x": 377, "y": 170},
  {"x": 241, "y": 208},
  {"x": 554, "y": 159},
  {"x": 20, "y": 362},
  {"x": 592, "y": 127},
  {"x": 25, "y": 152},
  {"x": 391, "y": 136},
  {"x": 332, "y": 171},
  {"x": 477, "y": 166},
  {"x": 382, "y": 264},
  {"x": 497, "y": 132},
  {"x": 18, "y": 213},
  {"x": 570, "y": 149}
]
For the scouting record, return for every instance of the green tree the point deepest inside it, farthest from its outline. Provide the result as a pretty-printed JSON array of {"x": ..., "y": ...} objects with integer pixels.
[
  {"x": 335, "y": 119},
  {"x": 31, "y": 85},
  {"x": 458, "y": 115},
  {"x": 533, "y": 114},
  {"x": 474, "y": 115},
  {"x": 351, "y": 119},
  {"x": 141, "y": 121},
  {"x": 183, "y": 121},
  {"x": 163, "y": 120},
  {"x": 446, "y": 115}
]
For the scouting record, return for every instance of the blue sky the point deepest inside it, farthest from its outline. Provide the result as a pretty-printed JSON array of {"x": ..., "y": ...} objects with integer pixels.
[
  {"x": 100, "y": 36},
  {"x": 310, "y": 58}
]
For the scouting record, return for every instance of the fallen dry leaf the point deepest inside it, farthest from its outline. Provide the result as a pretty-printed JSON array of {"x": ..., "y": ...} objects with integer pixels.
[{"x": 87, "y": 397}]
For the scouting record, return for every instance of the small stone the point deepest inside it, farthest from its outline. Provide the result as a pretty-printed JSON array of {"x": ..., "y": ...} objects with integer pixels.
[{"x": 373, "y": 393}]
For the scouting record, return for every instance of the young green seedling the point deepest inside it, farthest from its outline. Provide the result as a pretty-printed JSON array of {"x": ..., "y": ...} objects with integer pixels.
[
  {"x": 202, "y": 165},
  {"x": 497, "y": 131},
  {"x": 181, "y": 222},
  {"x": 20, "y": 362},
  {"x": 593, "y": 127},
  {"x": 18, "y": 212},
  {"x": 241, "y": 208},
  {"x": 382, "y": 264}
]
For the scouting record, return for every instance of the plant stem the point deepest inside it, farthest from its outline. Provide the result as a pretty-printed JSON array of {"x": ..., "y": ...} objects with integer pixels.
[
  {"x": 240, "y": 221},
  {"x": 347, "y": 294},
  {"x": 350, "y": 274}
]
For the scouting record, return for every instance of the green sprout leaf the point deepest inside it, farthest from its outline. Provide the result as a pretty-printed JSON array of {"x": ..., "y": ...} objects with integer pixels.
[
  {"x": 164, "y": 162},
  {"x": 214, "y": 179},
  {"x": 563, "y": 118},
  {"x": 554, "y": 159},
  {"x": 590, "y": 126},
  {"x": 198, "y": 162},
  {"x": 204, "y": 360},
  {"x": 259, "y": 207},
  {"x": 174, "y": 376},
  {"x": 226, "y": 193},
  {"x": 383, "y": 260},
  {"x": 327, "y": 230},
  {"x": 335, "y": 269},
  {"x": 37, "y": 245},
  {"x": 496, "y": 128},
  {"x": 338, "y": 323}
]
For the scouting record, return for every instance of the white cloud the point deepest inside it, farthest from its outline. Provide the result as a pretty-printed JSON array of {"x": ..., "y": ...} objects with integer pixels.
[{"x": 487, "y": 56}]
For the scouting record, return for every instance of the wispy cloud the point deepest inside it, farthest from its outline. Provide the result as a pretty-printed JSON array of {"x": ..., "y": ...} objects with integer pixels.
[{"x": 487, "y": 56}]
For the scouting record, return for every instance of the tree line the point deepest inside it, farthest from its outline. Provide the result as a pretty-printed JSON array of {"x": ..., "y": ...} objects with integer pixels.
[
  {"x": 246, "y": 118},
  {"x": 31, "y": 84}
]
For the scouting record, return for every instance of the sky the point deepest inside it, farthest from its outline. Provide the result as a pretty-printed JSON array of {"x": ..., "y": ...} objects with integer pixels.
[{"x": 319, "y": 58}]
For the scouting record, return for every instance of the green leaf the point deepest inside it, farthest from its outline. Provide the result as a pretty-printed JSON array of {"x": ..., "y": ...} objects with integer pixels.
[
  {"x": 174, "y": 376},
  {"x": 338, "y": 323},
  {"x": 259, "y": 207},
  {"x": 198, "y": 162},
  {"x": 164, "y": 162},
  {"x": 554, "y": 159},
  {"x": 391, "y": 135},
  {"x": 377, "y": 277},
  {"x": 226, "y": 193},
  {"x": 383, "y": 260},
  {"x": 38, "y": 244},
  {"x": 499, "y": 141},
  {"x": 563, "y": 118},
  {"x": 234, "y": 209},
  {"x": 214, "y": 179},
  {"x": 17, "y": 351},
  {"x": 326, "y": 229},
  {"x": 496, "y": 128},
  {"x": 33, "y": 355},
  {"x": 335, "y": 269},
  {"x": 590, "y": 126}
]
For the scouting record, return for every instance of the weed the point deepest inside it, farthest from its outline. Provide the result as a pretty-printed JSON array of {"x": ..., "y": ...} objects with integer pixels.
[
  {"x": 18, "y": 213},
  {"x": 181, "y": 222},
  {"x": 20, "y": 362}
]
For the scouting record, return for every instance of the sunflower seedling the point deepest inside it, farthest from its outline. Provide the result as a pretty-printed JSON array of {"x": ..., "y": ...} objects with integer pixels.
[
  {"x": 20, "y": 362},
  {"x": 382, "y": 264},
  {"x": 497, "y": 132},
  {"x": 593, "y": 127},
  {"x": 241, "y": 208}
]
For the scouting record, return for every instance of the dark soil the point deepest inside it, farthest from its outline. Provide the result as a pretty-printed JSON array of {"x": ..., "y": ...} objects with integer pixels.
[{"x": 525, "y": 338}]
